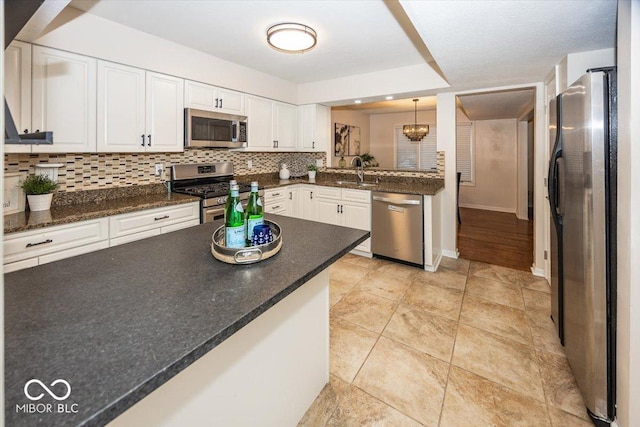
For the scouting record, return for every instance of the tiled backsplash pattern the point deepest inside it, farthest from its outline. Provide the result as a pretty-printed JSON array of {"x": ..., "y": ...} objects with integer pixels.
[{"x": 85, "y": 171}]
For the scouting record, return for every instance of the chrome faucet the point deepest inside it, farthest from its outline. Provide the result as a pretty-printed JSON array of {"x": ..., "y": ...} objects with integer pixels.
[{"x": 360, "y": 170}]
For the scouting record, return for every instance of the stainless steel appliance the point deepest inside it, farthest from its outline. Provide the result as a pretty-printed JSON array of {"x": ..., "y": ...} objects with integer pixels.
[
  {"x": 210, "y": 182},
  {"x": 582, "y": 194},
  {"x": 214, "y": 130},
  {"x": 397, "y": 227}
]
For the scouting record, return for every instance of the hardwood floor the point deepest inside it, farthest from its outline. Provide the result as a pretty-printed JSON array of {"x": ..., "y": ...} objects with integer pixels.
[{"x": 496, "y": 238}]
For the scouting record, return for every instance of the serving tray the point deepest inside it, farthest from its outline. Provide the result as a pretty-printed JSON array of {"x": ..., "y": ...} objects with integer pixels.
[{"x": 249, "y": 254}]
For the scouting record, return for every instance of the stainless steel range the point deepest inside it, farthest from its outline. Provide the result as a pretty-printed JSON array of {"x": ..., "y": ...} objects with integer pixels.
[{"x": 210, "y": 182}]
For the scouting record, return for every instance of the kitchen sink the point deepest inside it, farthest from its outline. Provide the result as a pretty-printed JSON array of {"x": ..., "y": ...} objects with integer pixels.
[{"x": 359, "y": 184}]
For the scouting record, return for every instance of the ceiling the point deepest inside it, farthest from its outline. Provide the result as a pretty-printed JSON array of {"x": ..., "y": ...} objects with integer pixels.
[
  {"x": 511, "y": 104},
  {"x": 473, "y": 44},
  {"x": 394, "y": 106}
]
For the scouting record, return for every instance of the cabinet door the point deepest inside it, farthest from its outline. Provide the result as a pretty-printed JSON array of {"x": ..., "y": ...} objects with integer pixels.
[
  {"x": 164, "y": 113},
  {"x": 314, "y": 130},
  {"x": 260, "y": 123},
  {"x": 230, "y": 101},
  {"x": 199, "y": 95},
  {"x": 64, "y": 100},
  {"x": 328, "y": 211},
  {"x": 292, "y": 201},
  {"x": 121, "y": 108},
  {"x": 17, "y": 90},
  {"x": 286, "y": 126},
  {"x": 357, "y": 215},
  {"x": 308, "y": 206}
]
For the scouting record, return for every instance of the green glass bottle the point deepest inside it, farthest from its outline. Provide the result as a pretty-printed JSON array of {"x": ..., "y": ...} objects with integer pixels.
[
  {"x": 228, "y": 202},
  {"x": 234, "y": 229},
  {"x": 254, "y": 214}
]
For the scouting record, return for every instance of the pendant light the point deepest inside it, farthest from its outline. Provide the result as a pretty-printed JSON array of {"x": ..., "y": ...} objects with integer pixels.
[
  {"x": 415, "y": 132},
  {"x": 291, "y": 37}
]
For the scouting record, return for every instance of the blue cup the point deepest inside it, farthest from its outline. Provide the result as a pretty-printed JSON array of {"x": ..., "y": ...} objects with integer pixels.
[{"x": 261, "y": 235}]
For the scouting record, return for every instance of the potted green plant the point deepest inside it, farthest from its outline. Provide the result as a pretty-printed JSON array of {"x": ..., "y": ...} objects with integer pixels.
[
  {"x": 313, "y": 169},
  {"x": 39, "y": 190},
  {"x": 368, "y": 160}
]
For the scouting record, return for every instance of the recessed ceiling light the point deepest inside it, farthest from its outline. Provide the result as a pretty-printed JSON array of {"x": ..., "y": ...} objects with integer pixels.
[
  {"x": 291, "y": 37},
  {"x": 389, "y": 98},
  {"x": 358, "y": 101}
]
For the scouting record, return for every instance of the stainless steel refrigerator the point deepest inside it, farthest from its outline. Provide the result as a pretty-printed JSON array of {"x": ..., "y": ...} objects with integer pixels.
[{"x": 582, "y": 195}]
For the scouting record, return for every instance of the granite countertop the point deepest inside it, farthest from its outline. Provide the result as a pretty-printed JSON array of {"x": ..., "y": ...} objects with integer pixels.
[
  {"x": 119, "y": 322},
  {"x": 388, "y": 184},
  {"x": 91, "y": 209}
]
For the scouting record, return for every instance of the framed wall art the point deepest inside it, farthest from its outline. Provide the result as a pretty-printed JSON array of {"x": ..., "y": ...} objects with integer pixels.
[
  {"x": 346, "y": 140},
  {"x": 14, "y": 198}
]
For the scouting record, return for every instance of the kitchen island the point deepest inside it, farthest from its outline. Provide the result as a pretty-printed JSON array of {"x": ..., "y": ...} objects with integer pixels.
[{"x": 120, "y": 323}]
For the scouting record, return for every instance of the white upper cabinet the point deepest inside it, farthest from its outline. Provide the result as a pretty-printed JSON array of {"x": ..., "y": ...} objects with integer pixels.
[
  {"x": 285, "y": 126},
  {"x": 64, "y": 100},
  {"x": 17, "y": 90},
  {"x": 165, "y": 113},
  {"x": 272, "y": 125},
  {"x": 211, "y": 98},
  {"x": 121, "y": 108},
  {"x": 260, "y": 123},
  {"x": 138, "y": 110},
  {"x": 314, "y": 127}
]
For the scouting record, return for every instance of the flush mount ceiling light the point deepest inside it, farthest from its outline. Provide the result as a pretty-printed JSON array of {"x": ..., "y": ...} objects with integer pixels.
[
  {"x": 291, "y": 37},
  {"x": 415, "y": 132}
]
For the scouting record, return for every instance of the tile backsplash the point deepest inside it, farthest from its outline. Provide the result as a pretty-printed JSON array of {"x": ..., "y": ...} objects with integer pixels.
[{"x": 86, "y": 171}]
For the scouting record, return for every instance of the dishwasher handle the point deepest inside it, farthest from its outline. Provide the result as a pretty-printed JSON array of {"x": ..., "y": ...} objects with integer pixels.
[{"x": 396, "y": 201}]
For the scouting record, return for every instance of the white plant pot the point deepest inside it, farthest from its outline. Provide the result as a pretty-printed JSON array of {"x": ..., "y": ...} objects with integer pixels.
[
  {"x": 312, "y": 174},
  {"x": 39, "y": 202}
]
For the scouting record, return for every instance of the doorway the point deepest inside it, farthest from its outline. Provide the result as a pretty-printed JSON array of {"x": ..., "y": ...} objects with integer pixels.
[{"x": 495, "y": 196}]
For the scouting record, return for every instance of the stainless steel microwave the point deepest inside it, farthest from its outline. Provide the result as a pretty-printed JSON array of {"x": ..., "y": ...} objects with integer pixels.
[{"x": 214, "y": 130}]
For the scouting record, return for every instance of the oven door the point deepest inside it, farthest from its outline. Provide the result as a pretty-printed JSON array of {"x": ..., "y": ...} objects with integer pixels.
[{"x": 213, "y": 213}]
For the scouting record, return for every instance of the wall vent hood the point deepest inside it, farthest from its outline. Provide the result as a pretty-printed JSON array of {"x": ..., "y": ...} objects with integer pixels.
[{"x": 17, "y": 13}]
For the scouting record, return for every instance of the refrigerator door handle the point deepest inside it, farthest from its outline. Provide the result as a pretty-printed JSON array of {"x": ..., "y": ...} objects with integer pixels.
[
  {"x": 560, "y": 190},
  {"x": 553, "y": 185}
]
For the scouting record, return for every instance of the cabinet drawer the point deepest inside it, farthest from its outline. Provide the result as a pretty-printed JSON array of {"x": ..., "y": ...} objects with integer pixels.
[
  {"x": 329, "y": 192},
  {"x": 29, "y": 244},
  {"x": 136, "y": 222},
  {"x": 356, "y": 195},
  {"x": 277, "y": 196},
  {"x": 278, "y": 208}
]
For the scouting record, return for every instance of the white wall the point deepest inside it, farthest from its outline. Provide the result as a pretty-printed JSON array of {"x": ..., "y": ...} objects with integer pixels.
[
  {"x": 90, "y": 35},
  {"x": 353, "y": 118},
  {"x": 575, "y": 65},
  {"x": 446, "y": 122},
  {"x": 402, "y": 80},
  {"x": 628, "y": 327},
  {"x": 382, "y": 142},
  {"x": 496, "y": 167}
]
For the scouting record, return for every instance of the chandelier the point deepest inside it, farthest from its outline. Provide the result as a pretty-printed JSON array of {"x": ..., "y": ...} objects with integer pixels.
[{"x": 415, "y": 132}]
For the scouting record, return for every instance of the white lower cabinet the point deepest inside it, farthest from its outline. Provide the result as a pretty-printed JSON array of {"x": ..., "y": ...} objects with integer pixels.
[
  {"x": 128, "y": 227},
  {"x": 36, "y": 247},
  {"x": 292, "y": 201},
  {"x": 308, "y": 208},
  {"x": 346, "y": 207},
  {"x": 275, "y": 201}
]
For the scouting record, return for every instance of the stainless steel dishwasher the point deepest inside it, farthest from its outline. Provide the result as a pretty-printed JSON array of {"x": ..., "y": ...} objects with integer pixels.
[{"x": 397, "y": 227}]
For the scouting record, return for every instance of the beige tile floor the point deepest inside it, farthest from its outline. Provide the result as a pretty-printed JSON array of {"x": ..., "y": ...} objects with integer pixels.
[{"x": 470, "y": 345}]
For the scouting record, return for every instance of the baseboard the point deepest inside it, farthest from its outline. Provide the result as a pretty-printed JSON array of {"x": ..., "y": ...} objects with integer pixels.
[
  {"x": 450, "y": 254},
  {"x": 487, "y": 208},
  {"x": 537, "y": 271},
  {"x": 524, "y": 218},
  {"x": 361, "y": 253},
  {"x": 433, "y": 268}
]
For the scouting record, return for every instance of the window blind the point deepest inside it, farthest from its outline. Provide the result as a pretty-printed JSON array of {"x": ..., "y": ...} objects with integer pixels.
[
  {"x": 464, "y": 151},
  {"x": 416, "y": 155}
]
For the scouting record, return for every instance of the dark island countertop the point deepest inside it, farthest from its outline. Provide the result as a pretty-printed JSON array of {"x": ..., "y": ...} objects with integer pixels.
[{"x": 118, "y": 323}]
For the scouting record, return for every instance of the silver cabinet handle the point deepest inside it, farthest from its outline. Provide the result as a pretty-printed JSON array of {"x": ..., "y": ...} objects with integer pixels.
[
  {"x": 290, "y": 195},
  {"x": 275, "y": 207},
  {"x": 220, "y": 102},
  {"x": 311, "y": 195},
  {"x": 313, "y": 144},
  {"x": 216, "y": 102},
  {"x": 338, "y": 208},
  {"x": 30, "y": 245},
  {"x": 142, "y": 136},
  {"x": 275, "y": 194},
  {"x": 396, "y": 201},
  {"x": 161, "y": 218},
  {"x": 149, "y": 143}
]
